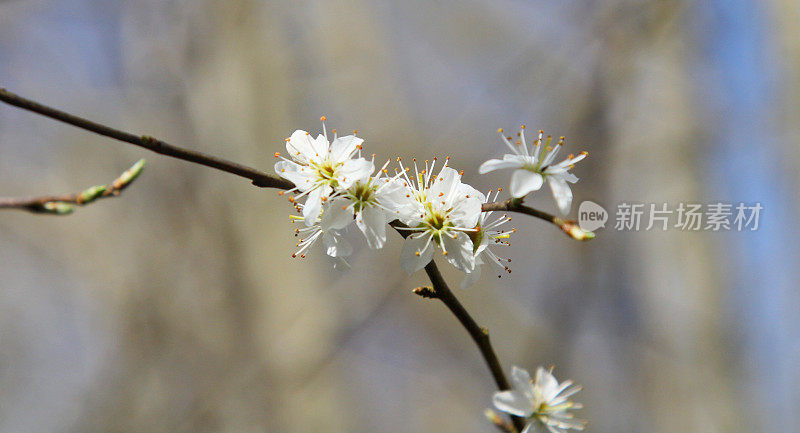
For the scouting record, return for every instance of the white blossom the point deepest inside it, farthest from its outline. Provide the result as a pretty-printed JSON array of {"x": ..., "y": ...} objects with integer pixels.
[
  {"x": 371, "y": 203},
  {"x": 335, "y": 244},
  {"x": 440, "y": 213},
  {"x": 488, "y": 234},
  {"x": 543, "y": 402},
  {"x": 534, "y": 166},
  {"x": 318, "y": 167}
]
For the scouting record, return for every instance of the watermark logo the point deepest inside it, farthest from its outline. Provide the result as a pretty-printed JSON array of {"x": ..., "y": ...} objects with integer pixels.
[
  {"x": 591, "y": 216},
  {"x": 635, "y": 217}
]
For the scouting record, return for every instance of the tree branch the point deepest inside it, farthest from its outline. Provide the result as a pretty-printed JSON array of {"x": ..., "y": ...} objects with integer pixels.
[
  {"x": 259, "y": 178},
  {"x": 440, "y": 289},
  {"x": 64, "y": 204}
]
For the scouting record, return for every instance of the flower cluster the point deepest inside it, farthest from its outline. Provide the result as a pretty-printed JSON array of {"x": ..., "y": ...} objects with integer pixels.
[
  {"x": 543, "y": 402},
  {"x": 335, "y": 186}
]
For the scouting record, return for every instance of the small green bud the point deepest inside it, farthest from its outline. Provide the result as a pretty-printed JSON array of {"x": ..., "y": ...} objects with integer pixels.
[
  {"x": 573, "y": 230},
  {"x": 91, "y": 194},
  {"x": 58, "y": 208},
  {"x": 128, "y": 176}
]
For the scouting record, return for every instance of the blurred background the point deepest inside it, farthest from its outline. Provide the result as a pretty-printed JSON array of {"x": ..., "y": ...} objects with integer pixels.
[{"x": 177, "y": 307}]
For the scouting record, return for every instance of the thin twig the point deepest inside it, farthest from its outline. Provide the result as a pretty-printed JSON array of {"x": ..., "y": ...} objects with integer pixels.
[
  {"x": 569, "y": 227},
  {"x": 258, "y": 177},
  {"x": 479, "y": 335},
  {"x": 64, "y": 204}
]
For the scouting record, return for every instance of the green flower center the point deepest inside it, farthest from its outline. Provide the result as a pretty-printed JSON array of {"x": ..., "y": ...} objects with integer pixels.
[
  {"x": 325, "y": 169},
  {"x": 326, "y": 172},
  {"x": 362, "y": 195},
  {"x": 545, "y": 409},
  {"x": 436, "y": 219}
]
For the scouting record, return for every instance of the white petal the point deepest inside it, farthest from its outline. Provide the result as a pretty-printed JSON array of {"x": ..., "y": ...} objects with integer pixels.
[
  {"x": 562, "y": 172},
  {"x": 466, "y": 212},
  {"x": 569, "y": 177},
  {"x": 525, "y": 181},
  {"x": 335, "y": 245},
  {"x": 445, "y": 184},
  {"x": 561, "y": 192},
  {"x": 399, "y": 198},
  {"x": 521, "y": 159},
  {"x": 472, "y": 277},
  {"x": 521, "y": 381},
  {"x": 286, "y": 167},
  {"x": 530, "y": 427},
  {"x": 459, "y": 251},
  {"x": 343, "y": 147},
  {"x": 313, "y": 205},
  {"x": 410, "y": 215},
  {"x": 555, "y": 169},
  {"x": 299, "y": 175},
  {"x": 513, "y": 402},
  {"x": 409, "y": 260},
  {"x": 321, "y": 146},
  {"x": 547, "y": 383},
  {"x": 372, "y": 222},
  {"x": 467, "y": 191},
  {"x": 354, "y": 170},
  {"x": 338, "y": 214},
  {"x": 300, "y": 146},
  {"x": 497, "y": 164}
]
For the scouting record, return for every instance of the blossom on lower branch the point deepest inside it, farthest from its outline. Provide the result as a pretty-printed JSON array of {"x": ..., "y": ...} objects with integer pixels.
[{"x": 543, "y": 402}]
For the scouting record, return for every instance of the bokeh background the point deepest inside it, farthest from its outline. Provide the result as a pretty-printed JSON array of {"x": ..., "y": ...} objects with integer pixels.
[{"x": 177, "y": 307}]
